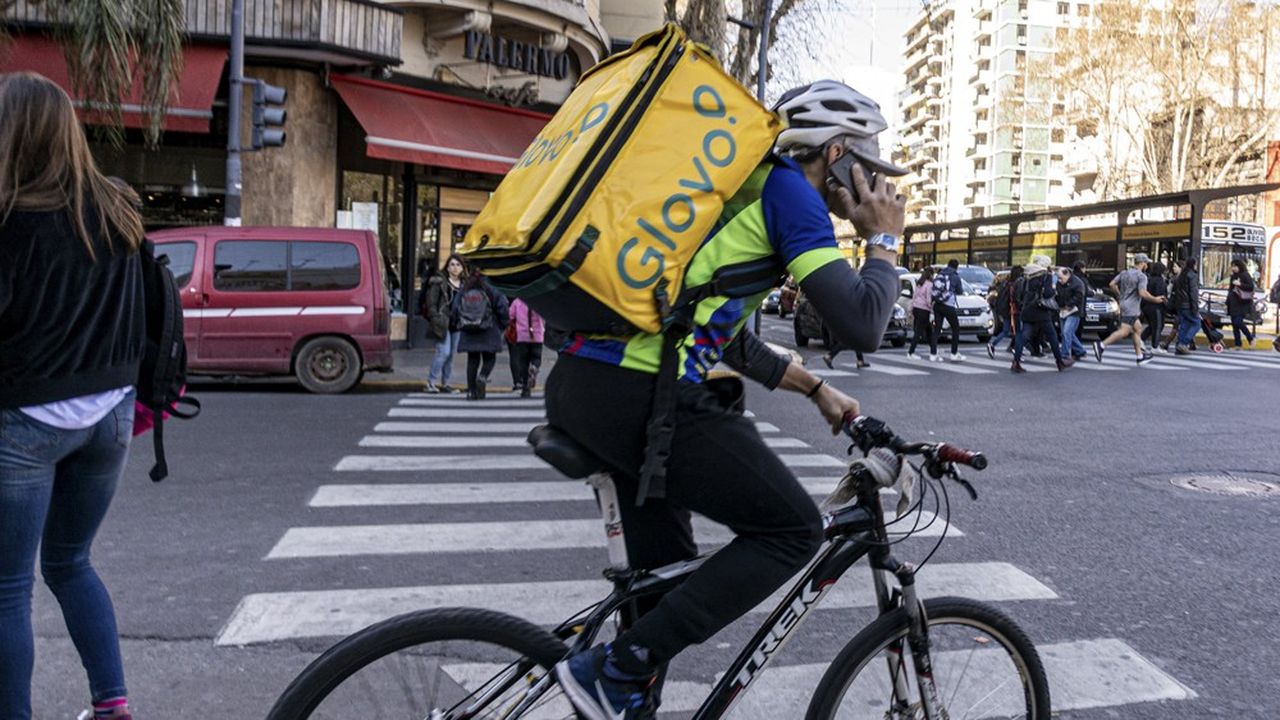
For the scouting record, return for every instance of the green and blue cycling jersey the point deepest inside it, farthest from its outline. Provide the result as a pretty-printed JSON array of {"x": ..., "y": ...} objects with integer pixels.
[{"x": 776, "y": 213}]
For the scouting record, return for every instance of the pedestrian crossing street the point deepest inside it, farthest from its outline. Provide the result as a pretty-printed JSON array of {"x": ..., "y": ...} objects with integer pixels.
[
  {"x": 449, "y": 455},
  {"x": 1117, "y": 358}
]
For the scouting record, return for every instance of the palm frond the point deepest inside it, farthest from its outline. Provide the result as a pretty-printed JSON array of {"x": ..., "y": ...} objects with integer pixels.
[{"x": 158, "y": 34}]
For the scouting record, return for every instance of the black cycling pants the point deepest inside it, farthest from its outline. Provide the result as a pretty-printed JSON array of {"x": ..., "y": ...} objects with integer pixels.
[
  {"x": 719, "y": 468},
  {"x": 942, "y": 311},
  {"x": 479, "y": 365}
]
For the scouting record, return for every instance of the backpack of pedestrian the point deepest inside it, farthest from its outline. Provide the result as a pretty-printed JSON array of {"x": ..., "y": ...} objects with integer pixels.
[
  {"x": 476, "y": 306},
  {"x": 73, "y": 333}
]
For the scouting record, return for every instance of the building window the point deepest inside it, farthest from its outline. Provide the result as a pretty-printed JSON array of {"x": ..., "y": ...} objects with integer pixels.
[
  {"x": 1058, "y": 135},
  {"x": 250, "y": 266},
  {"x": 1064, "y": 8},
  {"x": 1082, "y": 10}
]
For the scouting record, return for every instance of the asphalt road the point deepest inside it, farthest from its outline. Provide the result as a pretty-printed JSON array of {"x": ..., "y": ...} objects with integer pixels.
[{"x": 1179, "y": 586}]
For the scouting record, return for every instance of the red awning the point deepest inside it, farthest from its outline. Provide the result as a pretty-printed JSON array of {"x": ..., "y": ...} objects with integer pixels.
[
  {"x": 190, "y": 101},
  {"x": 430, "y": 128}
]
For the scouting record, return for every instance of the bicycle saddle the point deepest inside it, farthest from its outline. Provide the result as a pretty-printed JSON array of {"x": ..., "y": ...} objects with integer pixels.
[{"x": 564, "y": 453}]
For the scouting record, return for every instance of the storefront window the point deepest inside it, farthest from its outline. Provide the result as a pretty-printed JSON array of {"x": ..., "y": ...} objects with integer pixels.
[{"x": 371, "y": 201}]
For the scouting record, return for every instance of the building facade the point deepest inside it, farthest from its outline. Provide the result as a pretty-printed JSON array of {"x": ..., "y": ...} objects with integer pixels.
[
  {"x": 402, "y": 116},
  {"x": 984, "y": 130}
]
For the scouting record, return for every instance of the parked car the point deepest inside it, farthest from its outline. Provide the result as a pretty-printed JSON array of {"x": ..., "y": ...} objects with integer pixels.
[
  {"x": 308, "y": 302},
  {"x": 772, "y": 303},
  {"x": 971, "y": 308},
  {"x": 809, "y": 326},
  {"x": 978, "y": 277},
  {"x": 787, "y": 298}
]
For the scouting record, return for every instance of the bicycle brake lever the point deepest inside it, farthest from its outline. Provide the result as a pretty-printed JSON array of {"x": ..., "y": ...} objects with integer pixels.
[{"x": 973, "y": 494}]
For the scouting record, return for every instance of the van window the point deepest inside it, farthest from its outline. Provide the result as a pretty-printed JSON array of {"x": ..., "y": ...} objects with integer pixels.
[
  {"x": 250, "y": 266},
  {"x": 323, "y": 266},
  {"x": 182, "y": 259}
]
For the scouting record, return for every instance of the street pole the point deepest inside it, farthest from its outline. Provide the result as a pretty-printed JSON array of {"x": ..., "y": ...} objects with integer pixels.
[
  {"x": 762, "y": 74},
  {"x": 235, "y": 84}
]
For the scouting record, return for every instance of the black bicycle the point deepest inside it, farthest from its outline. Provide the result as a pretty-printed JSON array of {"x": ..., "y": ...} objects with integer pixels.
[{"x": 940, "y": 659}]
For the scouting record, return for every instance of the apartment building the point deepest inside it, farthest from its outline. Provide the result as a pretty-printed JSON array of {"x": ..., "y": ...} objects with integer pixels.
[{"x": 984, "y": 129}]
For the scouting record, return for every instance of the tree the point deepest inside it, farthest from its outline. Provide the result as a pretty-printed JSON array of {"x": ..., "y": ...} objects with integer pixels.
[
  {"x": 110, "y": 43},
  {"x": 1171, "y": 96},
  {"x": 707, "y": 22}
]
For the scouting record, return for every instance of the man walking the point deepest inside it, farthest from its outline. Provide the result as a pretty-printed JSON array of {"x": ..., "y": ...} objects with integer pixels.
[
  {"x": 1131, "y": 287},
  {"x": 1071, "y": 308},
  {"x": 1186, "y": 302},
  {"x": 946, "y": 287},
  {"x": 1037, "y": 290}
]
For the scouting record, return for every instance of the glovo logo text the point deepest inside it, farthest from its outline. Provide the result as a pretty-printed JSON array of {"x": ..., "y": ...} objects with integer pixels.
[
  {"x": 548, "y": 149},
  {"x": 646, "y": 251}
]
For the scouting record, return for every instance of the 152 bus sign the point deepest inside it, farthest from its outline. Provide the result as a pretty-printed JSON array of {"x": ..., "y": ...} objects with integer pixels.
[{"x": 1229, "y": 232}]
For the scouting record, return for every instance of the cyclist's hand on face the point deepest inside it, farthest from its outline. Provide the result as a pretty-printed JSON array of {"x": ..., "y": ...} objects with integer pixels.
[
  {"x": 882, "y": 210},
  {"x": 835, "y": 406}
]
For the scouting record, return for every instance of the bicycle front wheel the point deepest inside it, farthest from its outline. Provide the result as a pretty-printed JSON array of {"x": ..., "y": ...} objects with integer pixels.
[
  {"x": 434, "y": 664},
  {"x": 984, "y": 666}
]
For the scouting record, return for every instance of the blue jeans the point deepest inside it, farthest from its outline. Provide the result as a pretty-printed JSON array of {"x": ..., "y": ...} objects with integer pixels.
[
  {"x": 442, "y": 365},
  {"x": 1007, "y": 329},
  {"x": 1071, "y": 345},
  {"x": 1028, "y": 330},
  {"x": 1188, "y": 325},
  {"x": 55, "y": 488},
  {"x": 1238, "y": 325}
]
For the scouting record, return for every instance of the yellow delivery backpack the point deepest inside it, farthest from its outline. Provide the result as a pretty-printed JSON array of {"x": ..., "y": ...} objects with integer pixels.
[{"x": 598, "y": 219}]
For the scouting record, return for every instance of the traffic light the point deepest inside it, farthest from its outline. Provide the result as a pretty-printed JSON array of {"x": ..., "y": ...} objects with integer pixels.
[{"x": 268, "y": 115}]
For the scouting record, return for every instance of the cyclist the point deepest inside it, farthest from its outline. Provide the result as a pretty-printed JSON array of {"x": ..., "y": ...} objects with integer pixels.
[{"x": 601, "y": 392}]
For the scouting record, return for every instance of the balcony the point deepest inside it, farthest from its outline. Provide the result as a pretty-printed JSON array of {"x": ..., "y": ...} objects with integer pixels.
[
  {"x": 1081, "y": 166},
  {"x": 350, "y": 32}
]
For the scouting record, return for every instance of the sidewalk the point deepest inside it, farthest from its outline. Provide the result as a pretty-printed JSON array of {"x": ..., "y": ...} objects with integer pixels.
[{"x": 410, "y": 368}]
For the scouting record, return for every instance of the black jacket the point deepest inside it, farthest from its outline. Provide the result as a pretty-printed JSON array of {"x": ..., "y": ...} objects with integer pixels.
[
  {"x": 1157, "y": 286},
  {"x": 1040, "y": 286},
  {"x": 1186, "y": 291},
  {"x": 69, "y": 325},
  {"x": 1235, "y": 304},
  {"x": 1072, "y": 295}
]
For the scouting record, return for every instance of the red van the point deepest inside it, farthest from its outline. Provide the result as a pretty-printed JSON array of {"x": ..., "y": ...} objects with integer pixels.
[{"x": 308, "y": 302}]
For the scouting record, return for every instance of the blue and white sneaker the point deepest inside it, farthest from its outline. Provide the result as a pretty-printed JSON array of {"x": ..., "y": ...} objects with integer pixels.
[{"x": 604, "y": 693}]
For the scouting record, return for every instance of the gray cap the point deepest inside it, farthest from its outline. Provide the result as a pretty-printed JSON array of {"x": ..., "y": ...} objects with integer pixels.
[{"x": 1141, "y": 258}]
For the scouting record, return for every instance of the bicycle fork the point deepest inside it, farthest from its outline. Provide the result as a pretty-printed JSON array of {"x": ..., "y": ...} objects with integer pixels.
[{"x": 918, "y": 640}]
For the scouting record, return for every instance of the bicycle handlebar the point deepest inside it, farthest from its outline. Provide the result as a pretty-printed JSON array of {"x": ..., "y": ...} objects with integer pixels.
[{"x": 868, "y": 432}]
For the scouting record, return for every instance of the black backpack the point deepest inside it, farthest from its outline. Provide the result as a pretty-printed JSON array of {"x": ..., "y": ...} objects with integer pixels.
[{"x": 163, "y": 372}]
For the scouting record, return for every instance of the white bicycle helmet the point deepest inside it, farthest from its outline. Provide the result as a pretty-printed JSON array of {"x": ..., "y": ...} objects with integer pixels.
[{"x": 824, "y": 110}]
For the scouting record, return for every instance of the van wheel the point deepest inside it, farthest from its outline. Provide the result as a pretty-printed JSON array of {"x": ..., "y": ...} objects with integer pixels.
[{"x": 328, "y": 365}]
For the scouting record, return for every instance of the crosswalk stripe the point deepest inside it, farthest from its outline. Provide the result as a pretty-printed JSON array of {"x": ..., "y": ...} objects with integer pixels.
[
  {"x": 889, "y": 370},
  {"x": 824, "y": 372},
  {"x": 1165, "y": 361},
  {"x": 1128, "y": 362},
  {"x": 500, "y": 441},
  {"x": 472, "y": 404},
  {"x": 1084, "y": 674},
  {"x": 267, "y": 617},
  {"x": 461, "y": 398},
  {"x": 1232, "y": 361},
  {"x": 458, "y": 428},
  {"x": 469, "y": 413},
  {"x": 1083, "y": 364},
  {"x": 1006, "y": 364},
  {"x": 507, "y": 536},
  {"x": 960, "y": 368},
  {"x": 480, "y": 493},
  {"x": 455, "y": 463}
]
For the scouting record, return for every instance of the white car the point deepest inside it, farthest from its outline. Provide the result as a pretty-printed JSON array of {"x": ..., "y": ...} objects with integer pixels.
[{"x": 971, "y": 308}]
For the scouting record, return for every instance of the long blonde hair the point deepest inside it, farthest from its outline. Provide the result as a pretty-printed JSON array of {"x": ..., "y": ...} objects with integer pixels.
[{"x": 45, "y": 163}]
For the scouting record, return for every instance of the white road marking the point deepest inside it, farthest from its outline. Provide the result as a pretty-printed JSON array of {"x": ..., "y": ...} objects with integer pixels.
[
  {"x": 461, "y": 399},
  {"x": 267, "y": 617},
  {"x": 824, "y": 372},
  {"x": 499, "y": 441},
  {"x": 480, "y": 493},
  {"x": 1230, "y": 361},
  {"x": 455, "y": 463},
  {"x": 1006, "y": 364},
  {"x": 510, "y": 536},
  {"x": 458, "y": 428},
  {"x": 473, "y": 404},
  {"x": 1087, "y": 364},
  {"x": 960, "y": 368},
  {"x": 890, "y": 369},
  {"x": 465, "y": 413},
  {"x": 1127, "y": 361}
]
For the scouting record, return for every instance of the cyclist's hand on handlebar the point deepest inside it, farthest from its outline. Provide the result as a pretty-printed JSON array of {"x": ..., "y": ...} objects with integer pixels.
[{"x": 835, "y": 406}]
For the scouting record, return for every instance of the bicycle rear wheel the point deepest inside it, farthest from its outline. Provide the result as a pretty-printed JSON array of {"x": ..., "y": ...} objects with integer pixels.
[
  {"x": 984, "y": 666},
  {"x": 434, "y": 664}
]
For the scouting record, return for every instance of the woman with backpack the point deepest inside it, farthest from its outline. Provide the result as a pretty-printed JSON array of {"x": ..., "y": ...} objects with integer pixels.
[
  {"x": 437, "y": 310},
  {"x": 1007, "y": 310},
  {"x": 72, "y": 335},
  {"x": 921, "y": 315},
  {"x": 1153, "y": 312},
  {"x": 1240, "y": 301},
  {"x": 1037, "y": 292},
  {"x": 475, "y": 311}
]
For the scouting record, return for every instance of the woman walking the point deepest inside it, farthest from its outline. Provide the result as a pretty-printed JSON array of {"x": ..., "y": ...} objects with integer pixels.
[
  {"x": 526, "y": 351},
  {"x": 72, "y": 330},
  {"x": 1240, "y": 301},
  {"x": 1037, "y": 313},
  {"x": 1007, "y": 311},
  {"x": 1153, "y": 312},
  {"x": 440, "y": 291},
  {"x": 921, "y": 318},
  {"x": 475, "y": 311}
]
